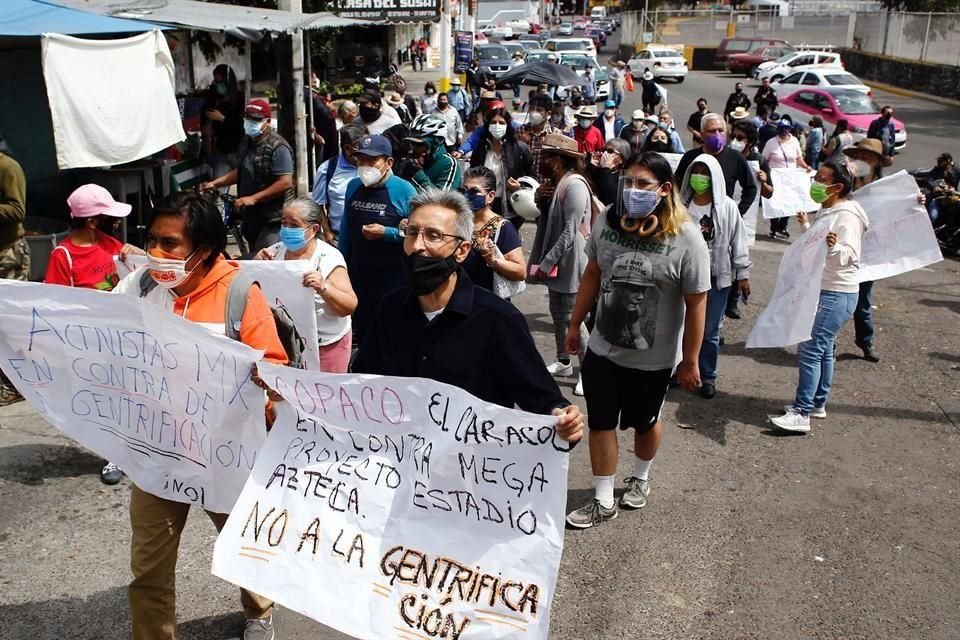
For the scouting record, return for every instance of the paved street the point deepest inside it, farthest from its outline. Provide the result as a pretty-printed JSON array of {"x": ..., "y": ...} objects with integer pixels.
[{"x": 849, "y": 532}]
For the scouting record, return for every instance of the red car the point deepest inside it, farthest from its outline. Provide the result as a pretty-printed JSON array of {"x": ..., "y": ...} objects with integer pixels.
[{"x": 745, "y": 63}]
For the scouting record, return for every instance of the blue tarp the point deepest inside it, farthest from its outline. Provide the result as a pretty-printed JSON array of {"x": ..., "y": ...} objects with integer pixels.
[{"x": 36, "y": 17}]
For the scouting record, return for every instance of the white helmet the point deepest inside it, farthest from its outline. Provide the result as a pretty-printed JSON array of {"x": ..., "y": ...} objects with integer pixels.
[{"x": 524, "y": 199}]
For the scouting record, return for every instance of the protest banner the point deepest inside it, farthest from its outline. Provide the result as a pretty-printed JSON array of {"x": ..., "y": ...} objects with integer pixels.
[
  {"x": 462, "y": 51},
  {"x": 401, "y": 508},
  {"x": 900, "y": 237},
  {"x": 791, "y": 193},
  {"x": 788, "y": 317},
  {"x": 750, "y": 217},
  {"x": 282, "y": 283},
  {"x": 169, "y": 402}
]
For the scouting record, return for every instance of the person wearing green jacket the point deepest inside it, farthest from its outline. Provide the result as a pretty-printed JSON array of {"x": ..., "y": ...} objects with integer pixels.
[
  {"x": 14, "y": 252},
  {"x": 430, "y": 164}
]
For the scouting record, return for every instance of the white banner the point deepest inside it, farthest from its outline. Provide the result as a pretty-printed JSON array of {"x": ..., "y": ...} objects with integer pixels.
[
  {"x": 750, "y": 217},
  {"x": 282, "y": 283},
  {"x": 401, "y": 508},
  {"x": 791, "y": 193},
  {"x": 168, "y": 401},
  {"x": 788, "y": 317},
  {"x": 900, "y": 237},
  {"x": 674, "y": 160}
]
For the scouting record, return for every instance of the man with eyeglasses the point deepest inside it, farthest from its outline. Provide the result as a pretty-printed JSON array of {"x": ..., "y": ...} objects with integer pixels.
[
  {"x": 445, "y": 328},
  {"x": 375, "y": 203},
  {"x": 264, "y": 177},
  {"x": 333, "y": 176}
]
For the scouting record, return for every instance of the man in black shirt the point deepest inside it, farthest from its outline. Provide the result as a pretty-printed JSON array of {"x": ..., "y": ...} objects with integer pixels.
[
  {"x": 766, "y": 96},
  {"x": 734, "y": 165},
  {"x": 736, "y": 99},
  {"x": 693, "y": 122},
  {"x": 444, "y": 328}
]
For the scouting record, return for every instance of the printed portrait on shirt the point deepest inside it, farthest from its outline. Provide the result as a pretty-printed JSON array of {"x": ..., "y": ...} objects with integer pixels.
[{"x": 629, "y": 299}]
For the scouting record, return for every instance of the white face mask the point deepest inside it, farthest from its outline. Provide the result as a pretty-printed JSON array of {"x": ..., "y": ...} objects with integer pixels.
[
  {"x": 369, "y": 176},
  {"x": 608, "y": 112},
  {"x": 498, "y": 131},
  {"x": 738, "y": 145},
  {"x": 169, "y": 273},
  {"x": 585, "y": 123},
  {"x": 536, "y": 118},
  {"x": 861, "y": 168}
]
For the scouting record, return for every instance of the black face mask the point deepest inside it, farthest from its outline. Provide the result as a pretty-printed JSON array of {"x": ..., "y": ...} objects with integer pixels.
[
  {"x": 369, "y": 114},
  {"x": 442, "y": 105},
  {"x": 659, "y": 147},
  {"x": 426, "y": 273},
  {"x": 739, "y": 89}
]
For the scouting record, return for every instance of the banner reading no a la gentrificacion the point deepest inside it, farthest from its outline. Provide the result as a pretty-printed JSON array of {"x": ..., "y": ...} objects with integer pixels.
[{"x": 168, "y": 401}]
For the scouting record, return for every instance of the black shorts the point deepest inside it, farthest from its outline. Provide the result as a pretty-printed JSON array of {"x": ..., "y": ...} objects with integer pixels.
[{"x": 616, "y": 395}]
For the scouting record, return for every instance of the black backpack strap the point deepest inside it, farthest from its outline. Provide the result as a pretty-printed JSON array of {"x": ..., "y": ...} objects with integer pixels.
[
  {"x": 237, "y": 294},
  {"x": 145, "y": 284}
]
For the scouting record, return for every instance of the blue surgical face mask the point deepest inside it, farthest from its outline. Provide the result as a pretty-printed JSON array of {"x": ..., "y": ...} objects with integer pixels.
[
  {"x": 293, "y": 238},
  {"x": 477, "y": 201},
  {"x": 252, "y": 128},
  {"x": 639, "y": 203}
]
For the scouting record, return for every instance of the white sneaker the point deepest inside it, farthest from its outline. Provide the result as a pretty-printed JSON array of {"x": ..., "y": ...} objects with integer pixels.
[
  {"x": 578, "y": 390},
  {"x": 820, "y": 413},
  {"x": 559, "y": 368},
  {"x": 792, "y": 420}
]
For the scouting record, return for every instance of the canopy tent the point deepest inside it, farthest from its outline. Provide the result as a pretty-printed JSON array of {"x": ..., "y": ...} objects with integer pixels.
[
  {"x": 31, "y": 18},
  {"x": 247, "y": 23}
]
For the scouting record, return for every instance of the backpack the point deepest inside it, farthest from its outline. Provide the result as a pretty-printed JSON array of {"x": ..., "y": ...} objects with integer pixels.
[{"x": 293, "y": 343}]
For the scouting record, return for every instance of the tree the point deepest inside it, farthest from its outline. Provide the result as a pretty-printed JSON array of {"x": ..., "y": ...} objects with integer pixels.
[{"x": 945, "y": 6}]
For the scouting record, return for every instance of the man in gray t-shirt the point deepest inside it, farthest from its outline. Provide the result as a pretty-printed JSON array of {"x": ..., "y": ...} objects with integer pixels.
[{"x": 650, "y": 294}]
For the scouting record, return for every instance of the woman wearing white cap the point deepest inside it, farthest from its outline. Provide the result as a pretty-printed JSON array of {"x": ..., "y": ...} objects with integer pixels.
[
  {"x": 85, "y": 258},
  {"x": 636, "y": 132}
]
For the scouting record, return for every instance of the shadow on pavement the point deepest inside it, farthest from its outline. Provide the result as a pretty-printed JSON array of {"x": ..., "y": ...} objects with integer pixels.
[
  {"x": 952, "y": 305},
  {"x": 939, "y": 355},
  {"x": 776, "y": 357},
  {"x": 34, "y": 463},
  {"x": 102, "y": 615}
]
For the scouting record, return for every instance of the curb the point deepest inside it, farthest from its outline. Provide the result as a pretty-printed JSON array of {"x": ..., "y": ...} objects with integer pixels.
[{"x": 908, "y": 93}]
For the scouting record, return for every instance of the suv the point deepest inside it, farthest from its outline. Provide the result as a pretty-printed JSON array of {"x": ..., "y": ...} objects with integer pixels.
[
  {"x": 493, "y": 59},
  {"x": 572, "y": 44},
  {"x": 742, "y": 45},
  {"x": 783, "y": 66}
]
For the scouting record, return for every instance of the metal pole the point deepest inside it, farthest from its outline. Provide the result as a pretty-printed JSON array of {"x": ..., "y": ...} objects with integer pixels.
[
  {"x": 643, "y": 21},
  {"x": 926, "y": 37},
  {"x": 445, "y": 47},
  {"x": 299, "y": 108}
]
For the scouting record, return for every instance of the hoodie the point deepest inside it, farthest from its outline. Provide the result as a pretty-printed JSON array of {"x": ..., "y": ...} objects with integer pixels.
[
  {"x": 440, "y": 169},
  {"x": 729, "y": 257},
  {"x": 840, "y": 271}
]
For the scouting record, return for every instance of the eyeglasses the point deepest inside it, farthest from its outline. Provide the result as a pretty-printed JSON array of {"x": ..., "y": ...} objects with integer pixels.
[
  {"x": 431, "y": 237},
  {"x": 614, "y": 151},
  {"x": 638, "y": 183}
]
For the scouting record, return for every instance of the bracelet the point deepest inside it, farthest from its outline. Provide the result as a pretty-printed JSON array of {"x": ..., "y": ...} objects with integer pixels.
[{"x": 492, "y": 264}]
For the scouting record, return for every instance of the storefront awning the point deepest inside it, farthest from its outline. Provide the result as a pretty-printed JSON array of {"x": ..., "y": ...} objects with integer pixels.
[
  {"x": 247, "y": 23},
  {"x": 27, "y": 18},
  {"x": 390, "y": 11}
]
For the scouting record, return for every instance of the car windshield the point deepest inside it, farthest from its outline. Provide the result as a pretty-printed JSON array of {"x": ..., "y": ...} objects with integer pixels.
[
  {"x": 578, "y": 61},
  {"x": 841, "y": 78},
  {"x": 855, "y": 103},
  {"x": 570, "y": 45},
  {"x": 783, "y": 59},
  {"x": 497, "y": 53},
  {"x": 537, "y": 57},
  {"x": 666, "y": 54},
  {"x": 738, "y": 45}
]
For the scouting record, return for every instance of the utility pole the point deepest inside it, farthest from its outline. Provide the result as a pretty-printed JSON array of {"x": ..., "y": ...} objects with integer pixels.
[
  {"x": 299, "y": 143},
  {"x": 446, "y": 48}
]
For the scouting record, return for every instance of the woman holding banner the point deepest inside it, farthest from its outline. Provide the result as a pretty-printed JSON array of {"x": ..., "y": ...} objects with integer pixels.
[
  {"x": 845, "y": 222},
  {"x": 86, "y": 257},
  {"x": 333, "y": 294}
]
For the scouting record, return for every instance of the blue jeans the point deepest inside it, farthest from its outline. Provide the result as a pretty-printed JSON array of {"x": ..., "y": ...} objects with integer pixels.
[
  {"x": 710, "y": 348},
  {"x": 815, "y": 356},
  {"x": 863, "y": 316}
]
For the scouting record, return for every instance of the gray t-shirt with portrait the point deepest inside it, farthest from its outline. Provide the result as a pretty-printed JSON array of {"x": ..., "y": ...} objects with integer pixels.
[{"x": 640, "y": 309}]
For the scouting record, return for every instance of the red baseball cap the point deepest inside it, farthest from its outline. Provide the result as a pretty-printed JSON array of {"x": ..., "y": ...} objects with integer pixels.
[{"x": 258, "y": 107}]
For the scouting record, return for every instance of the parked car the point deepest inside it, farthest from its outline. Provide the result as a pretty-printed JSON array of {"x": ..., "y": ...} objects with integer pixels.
[
  {"x": 571, "y": 44},
  {"x": 579, "y": 61},
  {"x": 729, "y": 46},
  {"x": 783, "y": 66},
  {"x": 493, "y": 59},
  {"x": 597, "y": 34},
  {"x": 565, "y": 29},
  {"x": 819, "y": 77},
  {"x": 663, "y": 62},
  {"x": 833, "y": 104},
  {"x": 747, "y": 63}
]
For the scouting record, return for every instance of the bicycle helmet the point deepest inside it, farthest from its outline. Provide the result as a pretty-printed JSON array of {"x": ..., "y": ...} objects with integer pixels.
[
  {"x": 426, "y": 126},
  {"x": 524, "y": 199}
]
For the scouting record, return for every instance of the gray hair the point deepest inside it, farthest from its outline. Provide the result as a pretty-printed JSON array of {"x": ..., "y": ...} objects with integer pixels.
[
  {"x": 707, "y": 117},
  {"x": 347, "y": 106},
  {"x": 306, "y": 208},
  {"x": 350, "y": 133},
  {"x": 621, "y": 145},
  {"x": 451, "y": 200}
]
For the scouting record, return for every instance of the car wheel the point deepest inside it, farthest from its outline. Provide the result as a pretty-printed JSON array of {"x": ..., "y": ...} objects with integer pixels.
[
  {"x": 751, "y": 71},
  {"x": 680, "y": 79}
]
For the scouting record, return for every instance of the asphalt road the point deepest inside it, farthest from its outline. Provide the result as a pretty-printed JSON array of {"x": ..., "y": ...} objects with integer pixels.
[{"x": 849, "y": 532}]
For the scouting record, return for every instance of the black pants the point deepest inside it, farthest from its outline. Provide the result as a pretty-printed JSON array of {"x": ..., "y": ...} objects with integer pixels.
[{"x": 260, "y": 234}]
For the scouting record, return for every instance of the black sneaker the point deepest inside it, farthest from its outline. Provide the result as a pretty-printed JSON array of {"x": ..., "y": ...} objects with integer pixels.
[
  {"x": 773, "y": 235},
  {"x": 733, "y": 313},
  {"x": 868, "y": 353},
  {"x": 708, "y": 390},
  {"x": 111, "y": 474},
  {"x": 785, "y": 234}
]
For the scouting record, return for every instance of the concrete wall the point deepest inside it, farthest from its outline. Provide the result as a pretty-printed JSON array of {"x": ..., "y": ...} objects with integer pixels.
[{"x": 933, "y": 79}]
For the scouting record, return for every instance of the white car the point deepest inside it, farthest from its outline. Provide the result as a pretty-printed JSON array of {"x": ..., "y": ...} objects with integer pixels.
[
  {"x": 776, "y": 70},
  {"x": 804, "y": 78},
  {"x": 572, "y": 44},
  {"x": 493, "y": 31},
  {"x": 519, "y": 25},
  {"x": 663, "y": 62},
  {"x": 565, "y": 29}
]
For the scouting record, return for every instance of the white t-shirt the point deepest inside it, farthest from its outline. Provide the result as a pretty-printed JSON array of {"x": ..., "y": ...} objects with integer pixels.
[
  {"x": 494, "y": 162},
  {"x": 781, "y": 154},
  {"x": 325, "y": 258},
  {"x": 702, "y": 215},
  {"x": 430, "y": 315}
]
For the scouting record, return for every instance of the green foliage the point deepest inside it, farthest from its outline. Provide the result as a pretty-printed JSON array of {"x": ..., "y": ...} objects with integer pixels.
[{"x": 946, "y": 6}]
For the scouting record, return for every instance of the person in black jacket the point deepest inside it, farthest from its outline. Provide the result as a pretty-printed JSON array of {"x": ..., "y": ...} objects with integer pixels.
[
  {"x": 506, "y": 156},
  {"x": 734, "y": 165},
  {"x": 222, "y": 121},
  {"x": 766, "y": 96},
  {"x": 736, "y": 99}
]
